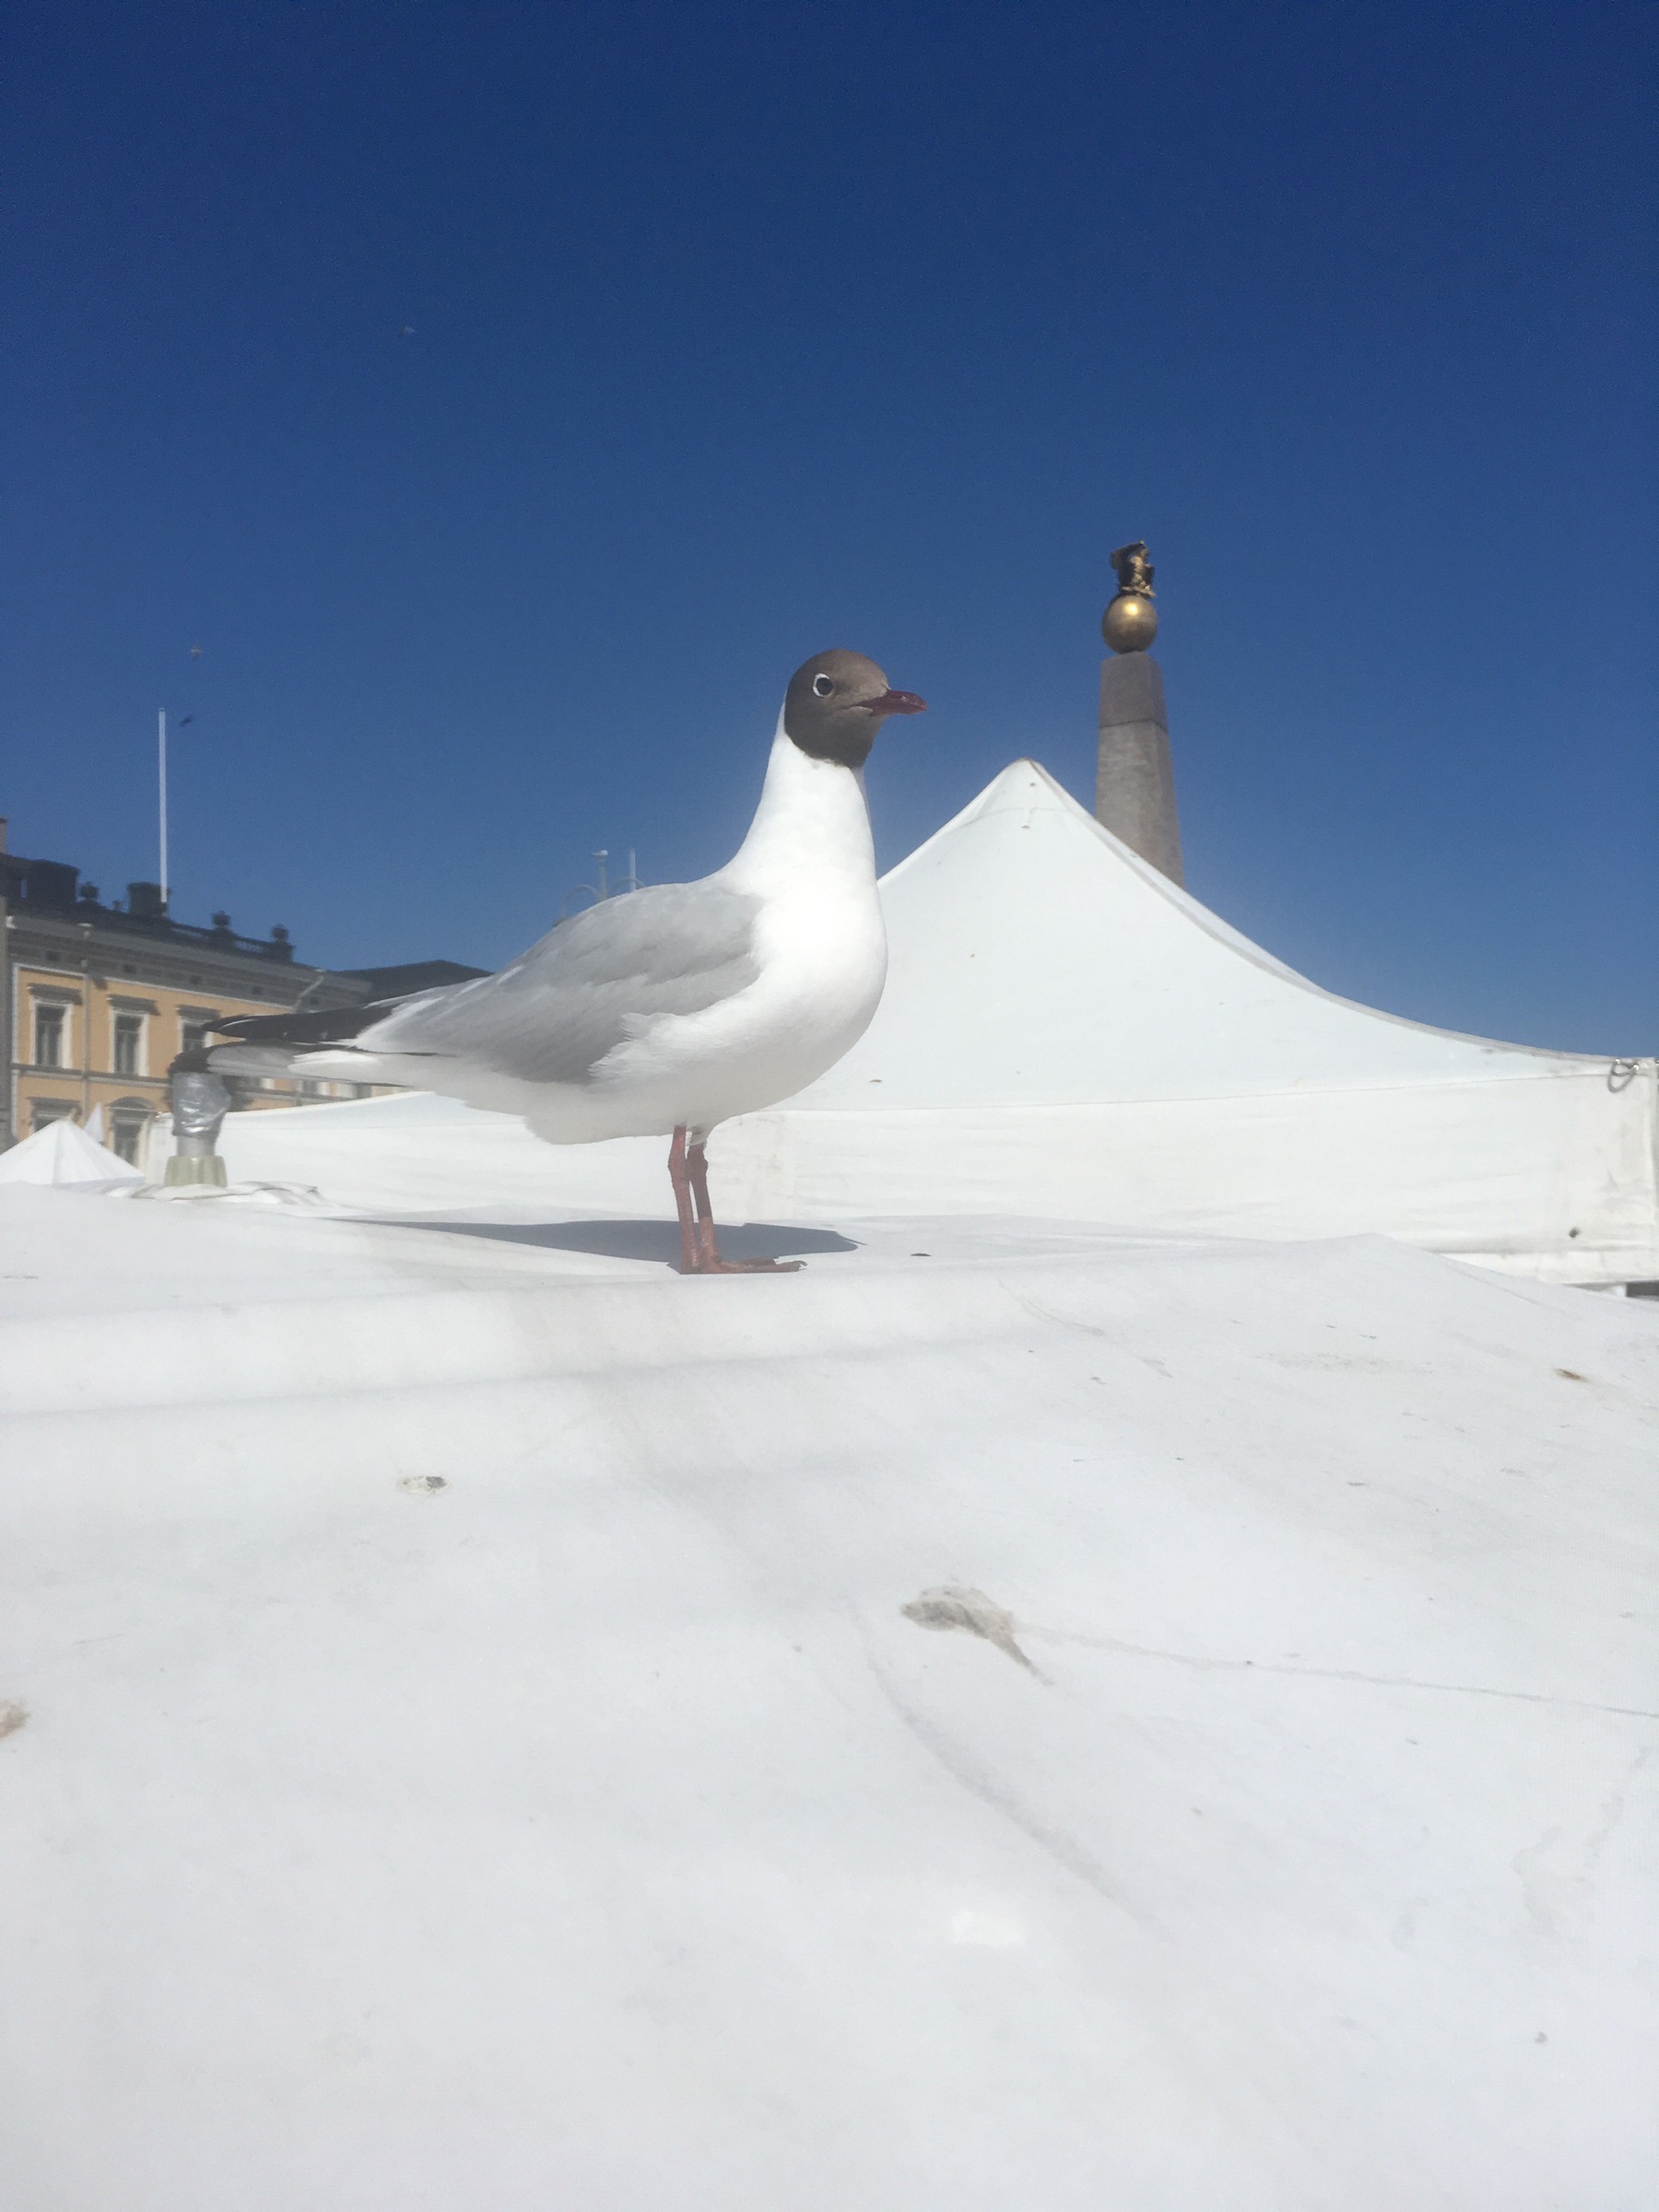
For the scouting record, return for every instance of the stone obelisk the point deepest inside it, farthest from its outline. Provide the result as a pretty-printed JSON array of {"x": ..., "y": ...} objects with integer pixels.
[{"x": 1135, "y": 783}]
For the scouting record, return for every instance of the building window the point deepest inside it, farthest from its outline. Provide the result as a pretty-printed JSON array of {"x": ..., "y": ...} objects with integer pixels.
[
  {"x": 42, "y": 1112},
  {"x": 193, "y": 1036},
  {"x": 129, "y": 1045},
  {"x": 127, "y": 1118},
  {"x": 49, "y": 1039}
]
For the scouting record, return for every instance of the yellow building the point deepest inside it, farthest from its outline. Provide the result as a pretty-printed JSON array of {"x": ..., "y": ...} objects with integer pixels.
[{"x": 97, "y": 1000}]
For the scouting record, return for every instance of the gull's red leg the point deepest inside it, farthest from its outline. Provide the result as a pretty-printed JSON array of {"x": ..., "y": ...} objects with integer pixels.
[
  {"x": 709, "y": 1261},
  {"x": 689, "y": 1262},
  {"x": 696, "y": 1168}
]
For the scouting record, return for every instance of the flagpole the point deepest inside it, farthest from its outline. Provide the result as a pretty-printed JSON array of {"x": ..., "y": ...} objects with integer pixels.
[{"x": 161, "y": 778}]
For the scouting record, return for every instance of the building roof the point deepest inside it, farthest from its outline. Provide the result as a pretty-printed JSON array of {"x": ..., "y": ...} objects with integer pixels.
[
  {"x": 51, "y": 892},
  {"x": 53, "y": 888},
  {"x": 414, "y": 975}
]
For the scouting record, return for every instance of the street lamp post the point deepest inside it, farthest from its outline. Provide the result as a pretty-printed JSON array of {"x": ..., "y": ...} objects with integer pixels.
[{"x": 161, "y": 782}]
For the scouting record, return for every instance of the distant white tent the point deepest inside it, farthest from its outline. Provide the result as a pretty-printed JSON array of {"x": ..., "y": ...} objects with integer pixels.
[
  {"x": 1067, "y": 1034},
  {"x": 62, "y": 1153}
]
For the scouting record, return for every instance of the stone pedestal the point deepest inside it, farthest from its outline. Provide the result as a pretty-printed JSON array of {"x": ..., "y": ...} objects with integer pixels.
[{"x": 1134, "y": 783}]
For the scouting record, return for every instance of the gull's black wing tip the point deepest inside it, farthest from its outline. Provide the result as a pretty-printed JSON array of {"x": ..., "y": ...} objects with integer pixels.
[{"x": 339, "y": 1025}]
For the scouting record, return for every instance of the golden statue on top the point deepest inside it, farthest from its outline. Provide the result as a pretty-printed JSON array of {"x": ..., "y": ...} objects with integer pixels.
[
  {"x": 1133, "y": 570},
  {"x": 1130, "y": 623}
]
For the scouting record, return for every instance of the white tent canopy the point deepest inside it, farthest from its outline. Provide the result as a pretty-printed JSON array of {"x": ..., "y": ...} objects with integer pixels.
[
  {"x": 1067, "y": 1033},
  {"x": 475, "y": 1729},
  {"x": 62, "y": 1152}
]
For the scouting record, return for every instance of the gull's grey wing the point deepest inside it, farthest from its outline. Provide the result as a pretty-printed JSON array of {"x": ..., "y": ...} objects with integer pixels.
[{"x": 591, "y": 985}]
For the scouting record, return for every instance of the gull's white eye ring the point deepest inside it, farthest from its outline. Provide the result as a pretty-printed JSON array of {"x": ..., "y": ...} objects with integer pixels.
[{"x": 823, "y": 685}]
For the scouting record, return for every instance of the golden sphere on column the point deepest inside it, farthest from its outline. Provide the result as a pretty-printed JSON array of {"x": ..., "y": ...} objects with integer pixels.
[{"x": 1130, "y": 623}]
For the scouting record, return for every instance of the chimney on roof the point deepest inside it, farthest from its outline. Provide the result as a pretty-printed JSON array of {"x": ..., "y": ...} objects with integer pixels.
[
  {"x": 146, "y": 902},
  {"x": 1134, "y": 780}
]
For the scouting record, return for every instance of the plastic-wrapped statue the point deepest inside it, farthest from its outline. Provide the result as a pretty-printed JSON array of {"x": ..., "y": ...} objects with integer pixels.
[{"x": 200, "y": 1102}]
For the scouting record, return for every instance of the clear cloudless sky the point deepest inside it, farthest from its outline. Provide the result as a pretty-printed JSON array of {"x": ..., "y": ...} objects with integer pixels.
[{"x": 506, "y": 395}]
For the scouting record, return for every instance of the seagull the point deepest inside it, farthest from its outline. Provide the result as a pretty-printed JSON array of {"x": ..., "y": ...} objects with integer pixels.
[{"x": 671, "y": 1008}]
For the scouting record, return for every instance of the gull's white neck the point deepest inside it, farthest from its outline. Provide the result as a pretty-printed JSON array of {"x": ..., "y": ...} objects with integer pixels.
[{"x": 812, "y": 822}]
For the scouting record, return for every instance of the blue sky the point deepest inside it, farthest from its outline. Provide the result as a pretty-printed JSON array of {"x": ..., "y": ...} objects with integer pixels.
[{"x": 738, "y": 331}]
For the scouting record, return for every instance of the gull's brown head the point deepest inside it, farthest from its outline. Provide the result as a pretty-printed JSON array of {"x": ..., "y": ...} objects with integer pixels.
[{"x": 836, "y": 701}]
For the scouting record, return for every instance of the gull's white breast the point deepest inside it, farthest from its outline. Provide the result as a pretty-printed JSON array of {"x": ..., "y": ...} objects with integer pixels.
[{"x": 821, "y": 948}]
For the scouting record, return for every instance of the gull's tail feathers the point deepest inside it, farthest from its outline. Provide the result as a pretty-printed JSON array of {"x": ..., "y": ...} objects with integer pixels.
[
  {"x": 302, "y": 1032},
  {"x": 280, "y": 1044}
]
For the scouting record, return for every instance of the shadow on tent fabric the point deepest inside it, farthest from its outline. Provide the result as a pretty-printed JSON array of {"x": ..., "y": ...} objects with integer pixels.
[{"x": 642, "y": 1240}]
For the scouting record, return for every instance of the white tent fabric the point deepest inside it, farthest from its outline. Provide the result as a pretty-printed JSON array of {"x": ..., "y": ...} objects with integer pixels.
[
  {"x": 62, "y": 1152},
  {"x": 1067, "y": 1034},
  {"x": 476, "y": 1729},
  {"x": 413, "y": 1152}
]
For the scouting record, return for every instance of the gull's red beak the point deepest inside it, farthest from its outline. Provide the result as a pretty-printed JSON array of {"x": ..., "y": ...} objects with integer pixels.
[{"x": 896, "y": 702}]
